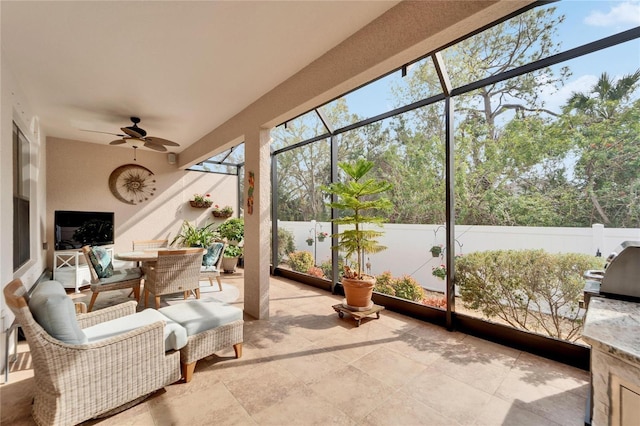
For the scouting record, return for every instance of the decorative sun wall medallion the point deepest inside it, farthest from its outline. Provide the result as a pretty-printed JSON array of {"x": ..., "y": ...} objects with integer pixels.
[{"x": 132, "y": 183}]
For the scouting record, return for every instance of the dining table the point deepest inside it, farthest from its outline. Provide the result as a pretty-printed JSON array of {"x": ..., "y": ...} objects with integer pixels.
[{"x": 148, "y": 255}]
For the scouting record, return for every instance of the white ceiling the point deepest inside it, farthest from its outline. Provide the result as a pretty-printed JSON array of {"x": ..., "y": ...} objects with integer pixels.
[{"x": 183, "y": 67}]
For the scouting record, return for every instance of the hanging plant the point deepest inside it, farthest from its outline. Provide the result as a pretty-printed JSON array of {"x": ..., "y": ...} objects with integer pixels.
[{"x": 436, "y": 251}]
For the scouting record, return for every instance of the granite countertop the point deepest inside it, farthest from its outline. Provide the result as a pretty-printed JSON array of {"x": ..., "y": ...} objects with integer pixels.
[{"x": 613, "y": 326}]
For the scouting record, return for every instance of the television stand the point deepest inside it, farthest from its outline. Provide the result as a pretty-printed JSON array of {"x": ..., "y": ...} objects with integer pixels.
[{"x": 70, "y": 268}]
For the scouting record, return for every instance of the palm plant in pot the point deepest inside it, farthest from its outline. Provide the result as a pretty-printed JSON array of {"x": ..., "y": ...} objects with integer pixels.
[
  {"x": 357, "y": 201},
  {"x": 195, "y": 236}
]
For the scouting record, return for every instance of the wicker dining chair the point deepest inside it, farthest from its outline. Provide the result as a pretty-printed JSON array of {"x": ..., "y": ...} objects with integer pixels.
[
  {"x": 120, "y": 278},
  {"x": 141, "y": 245},
  {"x": 176, "y": 271}
]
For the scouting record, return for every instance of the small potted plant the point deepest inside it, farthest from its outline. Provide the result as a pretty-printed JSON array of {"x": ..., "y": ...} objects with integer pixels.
[
  {"x": 201, "y": 201},
  {"x": 230, "y": 258},
  {"x": 322, "y": 235},
  {"x": 309, "y": 241},
  {"x": 435, "y": 251},
  {"x": 355, "y": 201}
]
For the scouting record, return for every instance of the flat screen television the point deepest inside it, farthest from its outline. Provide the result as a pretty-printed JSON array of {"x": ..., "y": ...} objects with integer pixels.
[{"x": 74, "y": 229}]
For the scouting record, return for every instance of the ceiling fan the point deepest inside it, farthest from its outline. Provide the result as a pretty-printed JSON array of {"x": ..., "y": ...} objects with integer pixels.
[{"x": 135, "y": 133}]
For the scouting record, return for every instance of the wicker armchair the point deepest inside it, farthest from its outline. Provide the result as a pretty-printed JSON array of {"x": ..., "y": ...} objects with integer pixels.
[
  {"x": 78, "y": 382},
  {"x": 121, "y": 278},
  {"x": 176, "y": 271}
]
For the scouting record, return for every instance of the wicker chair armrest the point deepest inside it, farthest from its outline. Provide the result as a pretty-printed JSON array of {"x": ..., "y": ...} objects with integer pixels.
[{"x": 106, "y": 314}]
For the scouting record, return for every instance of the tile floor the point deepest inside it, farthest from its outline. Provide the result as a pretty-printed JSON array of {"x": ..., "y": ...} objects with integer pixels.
[{"x": 305, "y": 366}]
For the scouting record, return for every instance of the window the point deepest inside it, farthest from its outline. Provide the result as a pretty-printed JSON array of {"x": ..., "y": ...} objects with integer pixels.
[{"x": 21, "y": 167}]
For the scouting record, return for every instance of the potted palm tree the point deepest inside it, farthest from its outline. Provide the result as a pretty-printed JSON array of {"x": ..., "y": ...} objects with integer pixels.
[{"x": 358, "y": 199}]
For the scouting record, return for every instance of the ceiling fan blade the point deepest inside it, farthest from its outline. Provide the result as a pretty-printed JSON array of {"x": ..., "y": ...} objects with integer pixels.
[
  {"x": 118, "y": 142},
  {"x": 106, "y": 133},
  {"x": 160, "y": 141},
  {"x": 134, "y": 132},
  {"x": 154, "y": 146}
]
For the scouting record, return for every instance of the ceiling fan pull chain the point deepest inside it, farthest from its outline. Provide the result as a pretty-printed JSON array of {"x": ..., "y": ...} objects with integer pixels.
[{"x": 134, "y": 153}]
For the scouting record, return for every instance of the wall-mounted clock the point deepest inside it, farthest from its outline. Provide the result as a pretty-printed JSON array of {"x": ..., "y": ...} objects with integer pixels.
[{"x": 132, "y": 183}]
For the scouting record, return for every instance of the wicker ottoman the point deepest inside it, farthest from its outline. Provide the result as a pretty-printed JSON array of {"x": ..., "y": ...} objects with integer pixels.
[{"x": 211, "y": 326}]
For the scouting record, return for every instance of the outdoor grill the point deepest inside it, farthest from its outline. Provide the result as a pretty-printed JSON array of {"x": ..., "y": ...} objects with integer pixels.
[{"x": 620, "y": 278}]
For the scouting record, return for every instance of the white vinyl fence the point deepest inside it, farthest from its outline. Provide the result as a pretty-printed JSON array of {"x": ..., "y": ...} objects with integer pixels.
[{"x": 408, "y": 245}]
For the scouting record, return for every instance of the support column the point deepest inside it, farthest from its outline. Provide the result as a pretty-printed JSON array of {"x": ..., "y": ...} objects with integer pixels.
[{"x": 257, "y": 190}]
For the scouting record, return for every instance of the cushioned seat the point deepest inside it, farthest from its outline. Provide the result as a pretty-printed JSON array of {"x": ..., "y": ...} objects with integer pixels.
[
  {"x": 198, "y": 316},
  {"x": 175, "y": 336},
  {"x": 122, "y": 275},
  {"x": 211, "y": 325}
]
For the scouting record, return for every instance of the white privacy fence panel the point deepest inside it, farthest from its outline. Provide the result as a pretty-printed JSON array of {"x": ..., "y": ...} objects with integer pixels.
[{"x": 408, "y": 244}]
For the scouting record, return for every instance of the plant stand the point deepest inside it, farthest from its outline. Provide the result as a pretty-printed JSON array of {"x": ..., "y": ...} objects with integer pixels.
[{"x": 358, "y": 315}]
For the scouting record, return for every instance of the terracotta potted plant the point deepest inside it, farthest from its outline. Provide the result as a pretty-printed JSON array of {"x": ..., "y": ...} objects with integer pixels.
[{"x": 357, "y": 201}]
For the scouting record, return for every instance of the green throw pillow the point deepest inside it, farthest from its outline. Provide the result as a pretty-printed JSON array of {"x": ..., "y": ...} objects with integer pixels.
[
  {"x": 101, "y": 262},
  {"x": 212, "y": 254}
]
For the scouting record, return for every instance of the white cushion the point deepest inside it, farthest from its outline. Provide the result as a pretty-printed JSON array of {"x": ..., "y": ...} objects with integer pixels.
[
  {"x": 175, "y": 336},
  {"x": 202, "y": 315},
  {"x": 56, "y": 313}
]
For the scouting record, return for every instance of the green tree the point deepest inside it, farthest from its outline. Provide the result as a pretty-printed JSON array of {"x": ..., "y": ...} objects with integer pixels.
[
  {"x": 500, "y": 140},
  {"x": 604, "y": 126}
]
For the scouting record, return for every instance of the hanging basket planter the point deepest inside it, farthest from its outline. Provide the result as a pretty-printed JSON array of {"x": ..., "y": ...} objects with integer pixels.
[
  {"x": 200, "y": 204},
  {"x": 222, "y": 215},
  {"x": 309, "y": 241},
  {"x": 435, "y": 251}
]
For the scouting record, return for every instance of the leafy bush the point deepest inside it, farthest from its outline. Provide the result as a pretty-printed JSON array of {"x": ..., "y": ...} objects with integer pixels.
[
  {"x": 316, "y": 272},
  {"x": 405, "y": 287},
  {"x": 232, "y": 229},
  {"x": 285, "y": 244},
  {"x": 408, "y": 288},
  {"x": 528, "y": 289},
  {"x": 327, "y": 268},
  {"x": 384, "y": 284},
  {"x": 301, "y": 261},
  {"x": 435, "y": 301}
]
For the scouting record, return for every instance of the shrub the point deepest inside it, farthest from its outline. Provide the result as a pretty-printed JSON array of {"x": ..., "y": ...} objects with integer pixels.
[
  {"x": 316, "y": 272},
  {"x": 408, "y": 288},
  {"x": 405, "y": 287},
  {"x": 301, "y": 261},
  {"x": 435, "y": 301},
  {"x": 528, "y": 289},
  {"x": 285, "y": 244},
  {"x": 384, "y": 284},
  {"x": 327, "y": 268}
]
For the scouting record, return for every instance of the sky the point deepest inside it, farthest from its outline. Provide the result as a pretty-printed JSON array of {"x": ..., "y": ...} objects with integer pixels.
[{"x": 585, "y": 21}]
